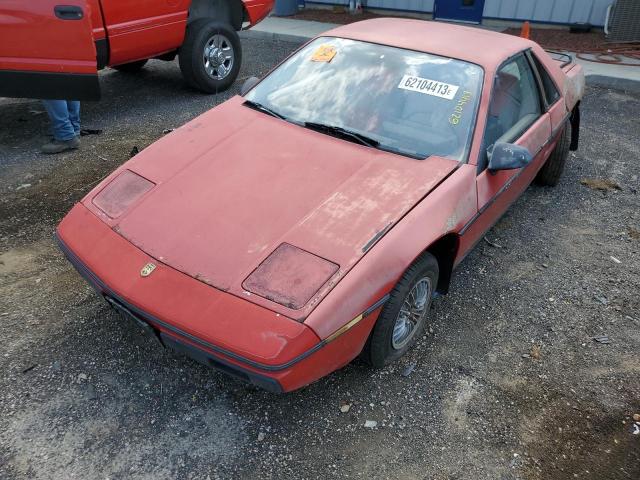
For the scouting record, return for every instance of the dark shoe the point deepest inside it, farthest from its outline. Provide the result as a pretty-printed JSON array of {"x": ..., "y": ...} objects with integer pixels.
[{"x": 59, "y": 146}]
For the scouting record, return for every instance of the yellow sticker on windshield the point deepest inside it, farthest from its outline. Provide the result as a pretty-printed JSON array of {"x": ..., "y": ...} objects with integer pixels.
[
  {"x": 454, "y": 118},
  {"x": 324, "y": 53}
]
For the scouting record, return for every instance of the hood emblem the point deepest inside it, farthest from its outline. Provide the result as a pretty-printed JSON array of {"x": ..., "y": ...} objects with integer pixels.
[{"x": 147, "y": 269}]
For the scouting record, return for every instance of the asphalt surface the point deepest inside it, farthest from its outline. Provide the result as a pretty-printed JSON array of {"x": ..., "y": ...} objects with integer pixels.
[{"x": 508, "y": 384}]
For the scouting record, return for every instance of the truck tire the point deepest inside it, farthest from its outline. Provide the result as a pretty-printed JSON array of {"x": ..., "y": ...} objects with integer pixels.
[
  {"x": 131, "y": 67},
  {"x": 405, "y": 315},
  {"x": 551, "y": 171},
  {"x": 210, "y": 56}
]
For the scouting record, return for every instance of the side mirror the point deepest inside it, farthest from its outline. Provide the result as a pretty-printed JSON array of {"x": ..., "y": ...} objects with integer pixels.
[
  {"x": 248, "y": 84},
  {"x": 507, "y": 156}
]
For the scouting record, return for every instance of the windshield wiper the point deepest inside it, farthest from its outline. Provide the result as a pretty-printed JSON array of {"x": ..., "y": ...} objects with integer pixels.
[
  {"x": 262, "y": 108},
  {"x": 362, "y": 139},
  {"x": 344, "y": 133},
  {"x": 402, "y": 151}
]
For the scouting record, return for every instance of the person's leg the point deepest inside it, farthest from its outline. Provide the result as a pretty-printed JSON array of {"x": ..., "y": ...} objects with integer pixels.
[
  {"x": 73, "y": 106},
  {"x": 64, "y": 137},
  {"x": 59, "y": 116}
]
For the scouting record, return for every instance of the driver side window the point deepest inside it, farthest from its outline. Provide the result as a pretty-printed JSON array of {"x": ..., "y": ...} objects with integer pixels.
[{"x": 514, "y": 107}]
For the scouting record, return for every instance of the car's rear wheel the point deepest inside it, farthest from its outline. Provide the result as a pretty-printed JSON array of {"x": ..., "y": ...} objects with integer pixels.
[
  {"x": 551, "y": 171},
  {"x": 210, "y": 56},
  {"x": 131, "y": 67},
  {"x": 405, "y": 315}
]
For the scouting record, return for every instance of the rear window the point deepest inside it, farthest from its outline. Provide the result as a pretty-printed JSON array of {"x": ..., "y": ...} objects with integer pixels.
[
  {"x": 550, "y": 91},
  {"x": 409, "y": 102}
]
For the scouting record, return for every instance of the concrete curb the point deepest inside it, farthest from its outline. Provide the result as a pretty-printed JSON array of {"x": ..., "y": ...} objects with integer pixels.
[
  {"x": 283, "y": 37},
  {"x": 616, "y": 83}
]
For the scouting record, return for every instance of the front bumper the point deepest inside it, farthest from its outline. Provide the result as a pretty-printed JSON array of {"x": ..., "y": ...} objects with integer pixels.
[
  {"x": 175, "y": 339},
  {"x": 213, "y": 327}
]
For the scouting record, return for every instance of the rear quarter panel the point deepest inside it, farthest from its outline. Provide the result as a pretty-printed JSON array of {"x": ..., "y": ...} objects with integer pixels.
[{"x": 574, "y": 85}]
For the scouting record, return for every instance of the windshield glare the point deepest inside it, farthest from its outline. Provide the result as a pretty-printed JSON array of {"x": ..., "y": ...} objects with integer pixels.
[{"x": 410, "y": 102}]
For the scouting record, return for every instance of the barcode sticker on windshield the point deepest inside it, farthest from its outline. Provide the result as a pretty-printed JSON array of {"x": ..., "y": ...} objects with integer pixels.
[{"x": 428, "y": 86}]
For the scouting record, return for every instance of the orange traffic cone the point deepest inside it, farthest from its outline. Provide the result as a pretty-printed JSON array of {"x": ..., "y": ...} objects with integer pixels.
[{"x": 526, "y": 30}]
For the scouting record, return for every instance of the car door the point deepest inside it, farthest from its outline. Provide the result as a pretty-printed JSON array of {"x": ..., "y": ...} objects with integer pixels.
[
  {"x": 140, "y": 29},
  {"x": 516, "y": 115},
  {"x": 47, "y": 50}
]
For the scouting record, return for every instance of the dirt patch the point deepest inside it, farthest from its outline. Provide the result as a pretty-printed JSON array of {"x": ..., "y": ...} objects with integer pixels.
[
  {"x": 457, "y": 407},
  {"x": 603, "y": 185},
  {"x": 582, "y": 441},
  {"x": 75, "y": 451},
  {"x": 563, "y": 39}
]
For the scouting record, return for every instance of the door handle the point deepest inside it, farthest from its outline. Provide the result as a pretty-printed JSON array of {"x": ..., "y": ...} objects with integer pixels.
[{"x": 68, "y": 12}]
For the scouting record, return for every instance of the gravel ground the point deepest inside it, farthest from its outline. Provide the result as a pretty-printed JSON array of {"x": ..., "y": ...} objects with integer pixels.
[{"x": 509, "y": 384}]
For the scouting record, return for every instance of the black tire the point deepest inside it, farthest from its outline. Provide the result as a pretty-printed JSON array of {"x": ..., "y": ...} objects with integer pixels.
[
  {"x": 192, "y": 51},
  {"x": 379, "y": 349},
  {"x": 132, "y": 67},
  {"x": 551, "y": 171}
]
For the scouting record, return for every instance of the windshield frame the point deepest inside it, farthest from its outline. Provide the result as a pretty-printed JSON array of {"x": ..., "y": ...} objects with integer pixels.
[{"x": 475, "y": 115}]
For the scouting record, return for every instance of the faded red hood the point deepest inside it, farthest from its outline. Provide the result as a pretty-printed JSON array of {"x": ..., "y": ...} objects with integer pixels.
[{"x": 234, "y": 183}]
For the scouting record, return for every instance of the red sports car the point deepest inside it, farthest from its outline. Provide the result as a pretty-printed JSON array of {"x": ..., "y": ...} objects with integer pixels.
[{"x": 286, "y": 231}]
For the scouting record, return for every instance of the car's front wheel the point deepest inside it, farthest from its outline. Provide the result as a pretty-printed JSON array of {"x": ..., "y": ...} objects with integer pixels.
[
  {"x": 405, "y": 314},
  {"x": 210, "y": 56}
]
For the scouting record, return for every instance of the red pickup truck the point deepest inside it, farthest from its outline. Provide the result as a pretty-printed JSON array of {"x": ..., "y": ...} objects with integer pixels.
[{"x": 54, "y": 48}]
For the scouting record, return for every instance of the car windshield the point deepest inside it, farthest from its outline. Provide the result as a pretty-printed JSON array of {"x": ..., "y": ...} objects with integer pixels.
[{"x": 398, "y": 100}]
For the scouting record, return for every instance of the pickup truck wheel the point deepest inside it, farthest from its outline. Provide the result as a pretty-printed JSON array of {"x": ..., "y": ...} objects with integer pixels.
[
  {"x": 551, "y": 171},
  {"x": 131, "y": 67},
  {"x": 404, "y": 316},
  {"x": 210, "y": 55}
]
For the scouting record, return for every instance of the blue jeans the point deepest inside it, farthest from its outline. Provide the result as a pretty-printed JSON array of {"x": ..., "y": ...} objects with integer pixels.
[{"x": 65, "y": 118}]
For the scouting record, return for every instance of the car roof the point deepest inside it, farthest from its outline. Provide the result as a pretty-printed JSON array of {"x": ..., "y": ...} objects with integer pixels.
[{"x": 483, "y": 47}]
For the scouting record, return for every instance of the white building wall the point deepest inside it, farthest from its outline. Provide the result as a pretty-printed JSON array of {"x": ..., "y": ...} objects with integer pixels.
[
  {"x": 425, "y": 6},
  {"x": 552, "y": 11},
  {"x": 548, "y": 11},
  {"x": 413, "y": 5}
]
